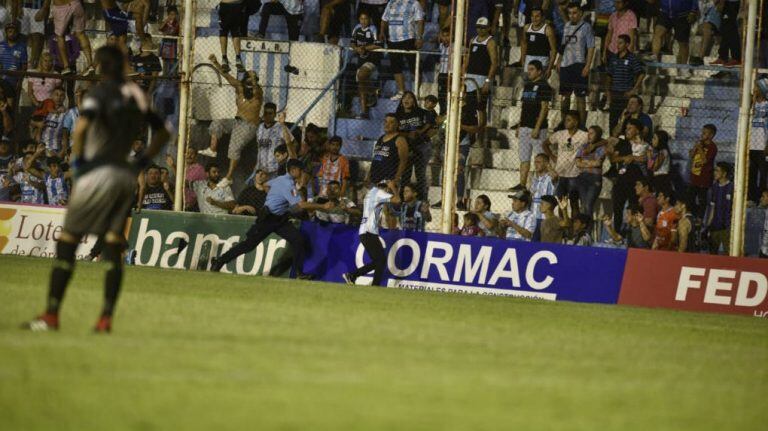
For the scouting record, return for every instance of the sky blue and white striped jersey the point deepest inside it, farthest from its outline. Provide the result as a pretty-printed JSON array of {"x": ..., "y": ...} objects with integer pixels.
[
  {"x": 268, "y": 138},
  {"x": 51, "y": 134},
  {"x": 402, "y": 16},
  {"x": 29, "y": 193},
  {"x": 577, "y": 40},
  {"x": 372, "y": 205},
  {"x": 524, "y": 219},
  {"x": 541, "y": 185},
  {"x": 56, "y": 189},
  {"x": 70, "y": 118}
]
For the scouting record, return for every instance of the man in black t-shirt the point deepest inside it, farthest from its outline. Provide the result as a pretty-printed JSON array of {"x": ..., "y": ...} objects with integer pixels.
[
  {"x": 533, "y": 117},
  {"x": 153, "y": 193},
  {"x": 252, "y": 198},
  {"x": 147, "y": 64}
]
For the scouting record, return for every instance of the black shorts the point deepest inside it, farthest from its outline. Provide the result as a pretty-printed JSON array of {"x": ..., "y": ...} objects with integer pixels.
[
  {"x": 374, "y": 11},
  {"x": 396, "y": 60},
  {"x": 339, "y": 24},
  {"x": 230, "y": 19},
  {"x": 680, "y": 26},
  {"x": 571, "y": 80}
]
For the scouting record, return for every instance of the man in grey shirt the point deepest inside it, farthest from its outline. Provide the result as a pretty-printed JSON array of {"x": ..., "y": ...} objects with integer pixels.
[{"x": 574, "y": 61}]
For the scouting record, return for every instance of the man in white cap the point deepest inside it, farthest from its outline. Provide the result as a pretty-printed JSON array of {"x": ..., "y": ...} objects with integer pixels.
[
  {"x": 480, "y": 68},
  {"x": 520, "y": 222}
]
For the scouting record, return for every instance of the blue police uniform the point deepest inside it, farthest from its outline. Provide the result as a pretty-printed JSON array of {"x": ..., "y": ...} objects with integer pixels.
[{"x": 273, "y": 218}]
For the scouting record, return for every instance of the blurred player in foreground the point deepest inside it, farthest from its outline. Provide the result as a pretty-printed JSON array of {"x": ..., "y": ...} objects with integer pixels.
[{"x": 113, "y": 114}]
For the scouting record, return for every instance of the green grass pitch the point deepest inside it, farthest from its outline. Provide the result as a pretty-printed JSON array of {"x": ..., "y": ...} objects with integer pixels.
[{"x": 200, "y": 351}]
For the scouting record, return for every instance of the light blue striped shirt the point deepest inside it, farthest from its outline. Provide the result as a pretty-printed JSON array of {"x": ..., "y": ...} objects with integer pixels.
[
  {"x": 402, "y": 17},
  {"x": 577, "y": 39},
  {"x": 56, "y": 188},
  {"x": 541, "y": 185},
  {"x": 51, "y": 135},
  {"x": 372, "y": 205},
  {"x": 525, "y": 220}
]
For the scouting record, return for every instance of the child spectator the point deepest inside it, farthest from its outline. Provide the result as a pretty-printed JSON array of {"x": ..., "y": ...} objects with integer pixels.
[
  {"x": 719, "y": 211},
  {"x": 579, "y": 234},
  {"x": 682, "y": 234},
  {"x": 32, "y": 189},
  {"x": 552, "y": 226},
  {"x": 666, "y": 222},
  {"x": 56, "y": 187},
  {"x": 71, "y": 116},
  {"x": 282, "y": 155},
  {"x": 169, "y": 47},
  {"x": 647, "y": 200},
  {"x": 333, "y": 167},
  {"x": 6, "y": 155},
  {"x": 470, "y": 226},
  {"x": 702, "y": 157},
  {"x": 636, "y": 233},
  {"x": 412, "y": 213},
  {"x": 659, "y": 162},
  {"x": 487, "y": 221}
]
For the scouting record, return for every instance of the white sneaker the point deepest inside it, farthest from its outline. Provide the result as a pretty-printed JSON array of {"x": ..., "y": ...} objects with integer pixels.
[
  {"x": 397, "y": 96},
  {"x": 208, "y": 152},
  {"x": 224, "y": 183}
]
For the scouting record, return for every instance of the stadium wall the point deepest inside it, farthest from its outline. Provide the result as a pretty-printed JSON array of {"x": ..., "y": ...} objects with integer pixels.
[
  {"x": 427, "y": 261},
  {"x": 32, "y": 230}
]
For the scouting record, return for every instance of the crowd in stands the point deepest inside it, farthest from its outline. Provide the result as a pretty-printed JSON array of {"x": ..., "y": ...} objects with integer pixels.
[{"x": 578, "y": 184}]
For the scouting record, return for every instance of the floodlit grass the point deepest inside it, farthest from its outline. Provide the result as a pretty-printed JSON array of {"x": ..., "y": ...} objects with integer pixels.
[{"x": 193, "y": 350}]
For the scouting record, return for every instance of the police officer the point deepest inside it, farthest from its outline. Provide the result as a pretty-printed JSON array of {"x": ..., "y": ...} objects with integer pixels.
[{"x": 283, "y": 198}]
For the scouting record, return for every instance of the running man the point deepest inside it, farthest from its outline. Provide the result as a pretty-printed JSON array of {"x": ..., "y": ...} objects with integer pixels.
[
  {"x": 287, "y": 194},
  {"x": 375, "y": 200},
  {"x": 244, "y": 127},
  {"x": 113, "y": 114}
]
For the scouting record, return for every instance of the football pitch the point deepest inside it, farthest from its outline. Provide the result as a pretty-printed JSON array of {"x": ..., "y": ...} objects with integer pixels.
[{"x": 201, "y": 351}]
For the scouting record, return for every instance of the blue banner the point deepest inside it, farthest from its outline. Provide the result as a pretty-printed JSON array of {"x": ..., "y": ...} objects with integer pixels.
[{"x": 489, "y": 266}]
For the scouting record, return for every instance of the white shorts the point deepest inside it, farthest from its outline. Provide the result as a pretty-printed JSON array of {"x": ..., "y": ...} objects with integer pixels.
[
  {"x": 28, "y": 23},
  {"x": 527, "y": 146}
]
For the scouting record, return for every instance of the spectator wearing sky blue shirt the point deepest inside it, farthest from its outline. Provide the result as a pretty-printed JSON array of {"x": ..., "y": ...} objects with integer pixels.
[
  {"x": 575, "y": 61},
  {"x": 520, "y": 223},
  {"x": 403, "y": 27},
  {"x": 284, "y": 196}
]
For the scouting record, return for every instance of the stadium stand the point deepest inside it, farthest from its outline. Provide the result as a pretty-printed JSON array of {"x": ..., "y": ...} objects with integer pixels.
[{"x": 307, "y": 81}]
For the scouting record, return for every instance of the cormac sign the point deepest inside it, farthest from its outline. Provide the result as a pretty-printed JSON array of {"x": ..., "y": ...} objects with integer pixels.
[
  {"x": 450, "y": 263},
  {"x": 696, "y": 282},
  {"x": 189, "y": 241},
  {"x": 32, "y": 230}
]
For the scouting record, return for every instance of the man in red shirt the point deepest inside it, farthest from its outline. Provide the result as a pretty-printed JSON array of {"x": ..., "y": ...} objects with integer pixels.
[
  {"x": 666, "y": 222},
  {"x": 702, "y": 165}
]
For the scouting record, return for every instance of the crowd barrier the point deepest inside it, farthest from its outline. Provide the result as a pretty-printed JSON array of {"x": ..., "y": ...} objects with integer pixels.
[
  {"x": 32, "y": 230},
  {"x": 427, "y": 261}
]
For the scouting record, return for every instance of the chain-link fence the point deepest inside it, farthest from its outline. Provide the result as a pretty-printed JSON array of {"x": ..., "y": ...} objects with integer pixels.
[{"x": 533, "y": 114}]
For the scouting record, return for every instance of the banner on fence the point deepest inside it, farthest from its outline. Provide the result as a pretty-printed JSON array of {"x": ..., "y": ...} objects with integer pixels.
[
  {"x": 695, "y": 282},
  {"x": 449, "y": 263},
  {"x": 32, "y": 230},
  {"x": 189, "y": 241}
]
